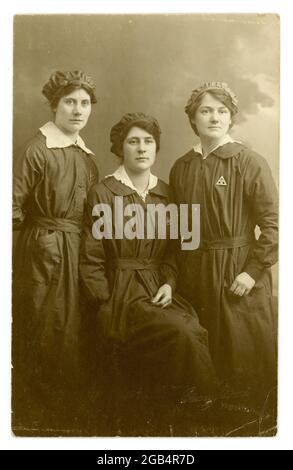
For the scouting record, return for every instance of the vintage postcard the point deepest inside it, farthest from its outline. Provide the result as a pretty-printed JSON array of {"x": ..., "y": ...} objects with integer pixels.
[{"x": 145, "y": 225}]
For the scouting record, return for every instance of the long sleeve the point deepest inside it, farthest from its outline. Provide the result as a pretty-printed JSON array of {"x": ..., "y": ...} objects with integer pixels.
[
  {"x": 27, "y": 171},
  {"x": 173, "y": 185},
  {"x": 262, "y": 194},
  {"x": 94, "y": 175},
  {"x": 92, "y": 259},
  {"x": 168, "y": 268}
]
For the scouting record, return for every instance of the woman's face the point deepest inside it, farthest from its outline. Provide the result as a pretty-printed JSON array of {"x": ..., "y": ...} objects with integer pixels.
[
  {"x": 212, "y": 118},
  {"x": 139, "y": 150},
  {"x": 72, "y": 112}
]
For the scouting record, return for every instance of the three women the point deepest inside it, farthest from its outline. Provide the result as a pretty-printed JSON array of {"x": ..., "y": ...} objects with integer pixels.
[{"x": 147, "y": 331}]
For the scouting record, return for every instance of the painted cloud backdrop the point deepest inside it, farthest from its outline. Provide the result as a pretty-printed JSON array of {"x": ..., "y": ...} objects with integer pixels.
[{"x": 151, "y": 63}]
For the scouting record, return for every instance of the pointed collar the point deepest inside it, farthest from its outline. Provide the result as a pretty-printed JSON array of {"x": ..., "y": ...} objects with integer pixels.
[
  {"x": 224, "y": 151},
  {"x": 120, "y": 189},
  {"x": 55, "y": 138},
  {"x": 121, "y": 175},
  {"x": 226, "y": 140}
]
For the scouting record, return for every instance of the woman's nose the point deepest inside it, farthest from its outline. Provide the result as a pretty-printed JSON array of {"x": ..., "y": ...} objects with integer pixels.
[
  {"x": 77, "y": 110},
  {"x": 141, "y": 146},
  {"x": 214, "y": 117}
]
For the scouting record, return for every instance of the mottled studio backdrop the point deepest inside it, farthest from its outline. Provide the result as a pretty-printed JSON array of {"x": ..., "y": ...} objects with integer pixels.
[{"x": 150, "y": 63}]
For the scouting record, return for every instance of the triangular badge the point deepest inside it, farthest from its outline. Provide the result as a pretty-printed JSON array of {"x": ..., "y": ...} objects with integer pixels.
[{"x": 221, "y": 181}]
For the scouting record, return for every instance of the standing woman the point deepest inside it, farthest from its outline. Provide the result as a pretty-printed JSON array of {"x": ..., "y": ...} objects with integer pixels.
[
  {"x": 149, "y": 333},
  {"x": 52, "y": 175},
  {"x": 228, "y": 279}
]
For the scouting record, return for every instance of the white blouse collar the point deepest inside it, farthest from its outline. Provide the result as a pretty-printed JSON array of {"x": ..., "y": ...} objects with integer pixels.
[
  {"x": 55, "y": 138},
  {"x": 121, "y": 175},
  {"x": 226, "y": 140}
]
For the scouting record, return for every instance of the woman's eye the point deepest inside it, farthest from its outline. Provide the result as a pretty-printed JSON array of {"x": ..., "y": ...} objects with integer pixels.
[
  {"x": 149, "y": 141},
  {"x": 68, "y": 101},
  {"x": 204, "y": 111}
]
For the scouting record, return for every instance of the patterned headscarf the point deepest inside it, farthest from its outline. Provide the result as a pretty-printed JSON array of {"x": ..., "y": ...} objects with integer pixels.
[
  {"x": 120, "y": 130},
  {"x": 59, "y": 81}
]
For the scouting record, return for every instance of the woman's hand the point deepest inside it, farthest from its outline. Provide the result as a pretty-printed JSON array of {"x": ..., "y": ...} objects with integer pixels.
[
  {"x": 242, "y": 284},
  {"x": 163, "y": 297}
]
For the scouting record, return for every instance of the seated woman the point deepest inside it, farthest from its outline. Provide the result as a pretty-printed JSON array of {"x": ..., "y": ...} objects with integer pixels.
[{"x": 152, "y": 332}]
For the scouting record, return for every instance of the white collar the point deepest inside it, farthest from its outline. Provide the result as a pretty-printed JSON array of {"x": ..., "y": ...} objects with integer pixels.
[
  {"x": 55, "y": 138},
  {"x": 226, "y": 140},
  {"x": 121, "y": 175}
]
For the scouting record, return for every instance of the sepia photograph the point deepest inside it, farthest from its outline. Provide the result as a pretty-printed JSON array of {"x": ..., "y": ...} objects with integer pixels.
[
  {"x": 123, "y": 332},
  {"x": 145, "y": 225}
]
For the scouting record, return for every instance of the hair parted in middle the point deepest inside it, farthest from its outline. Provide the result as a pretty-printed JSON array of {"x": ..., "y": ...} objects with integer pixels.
[{"x": 120, "y": 130}]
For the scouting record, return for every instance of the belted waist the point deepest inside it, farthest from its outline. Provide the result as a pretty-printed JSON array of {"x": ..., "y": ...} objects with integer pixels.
[
  {"x": 133, "y": 264},
  {"x": 221, "y": 243},
  {"x": 57, "y": 223}
]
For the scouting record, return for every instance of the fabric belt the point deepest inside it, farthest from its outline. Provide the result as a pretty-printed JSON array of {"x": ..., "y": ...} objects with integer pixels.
[
  {"x": 221, "y": 243},
  {"x": 55, "y": 223},
  {"x": 133, "y": 264}
]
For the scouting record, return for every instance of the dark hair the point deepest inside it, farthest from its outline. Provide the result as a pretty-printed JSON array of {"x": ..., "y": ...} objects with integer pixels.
[
  {"x": 67, "y": 90},
  {"x": 63, "y": 83},
  {"x": 218, "y": 94},
  {"x": 120, "y": 130}
]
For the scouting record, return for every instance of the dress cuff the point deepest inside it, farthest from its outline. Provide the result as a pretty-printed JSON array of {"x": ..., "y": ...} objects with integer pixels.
[{"x": 254, "y": 271}]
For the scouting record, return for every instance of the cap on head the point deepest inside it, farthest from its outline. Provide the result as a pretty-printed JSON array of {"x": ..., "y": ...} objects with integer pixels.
[
  {"x": 59, "y": 81},
  {"x": 211, "y": 86},
  {"x": 120, "y": 130}
]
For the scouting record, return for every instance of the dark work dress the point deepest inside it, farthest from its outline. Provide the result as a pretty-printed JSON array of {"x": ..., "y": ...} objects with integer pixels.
[
  {"x": 49, "y": 199},
  {"x": 242, "y": 330},
  {"x": 158, "y": 347}
]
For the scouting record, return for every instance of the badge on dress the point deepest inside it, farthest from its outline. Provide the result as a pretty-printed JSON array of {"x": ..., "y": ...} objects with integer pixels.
[{"x": 221, "y": 181}]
